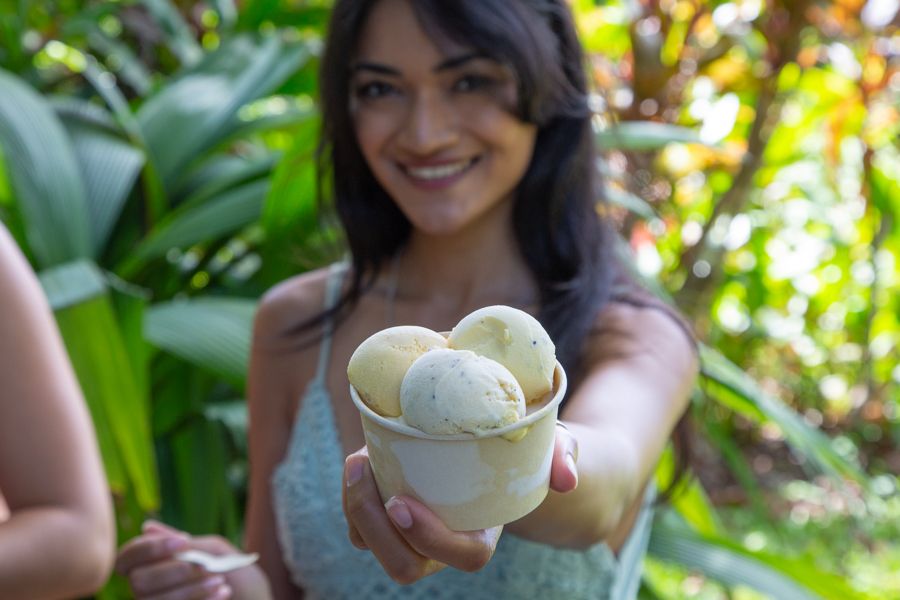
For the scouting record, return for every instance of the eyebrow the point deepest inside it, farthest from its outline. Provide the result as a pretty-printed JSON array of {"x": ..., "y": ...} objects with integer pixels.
[{"x": 453, "y": 62}]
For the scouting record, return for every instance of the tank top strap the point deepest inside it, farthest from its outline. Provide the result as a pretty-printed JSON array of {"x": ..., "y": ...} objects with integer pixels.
[{"x": 332, "y": 293}]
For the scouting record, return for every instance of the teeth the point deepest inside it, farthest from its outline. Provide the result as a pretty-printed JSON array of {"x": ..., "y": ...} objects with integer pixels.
[{"x": 437, "y": 172}]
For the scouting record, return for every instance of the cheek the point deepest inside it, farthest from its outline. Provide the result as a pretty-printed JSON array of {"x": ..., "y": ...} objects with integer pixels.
[
  {"x": 372, "y": 133},
  {"x": 501, "y": 130}
]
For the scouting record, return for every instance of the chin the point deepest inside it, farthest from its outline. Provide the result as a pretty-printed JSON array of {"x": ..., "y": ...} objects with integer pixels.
[{"x": 436, "y": 226}]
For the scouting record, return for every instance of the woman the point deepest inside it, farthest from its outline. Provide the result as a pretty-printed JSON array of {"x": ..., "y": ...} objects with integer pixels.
[
  {"x": 56, "y": 517},
  {"x": 459, "y": 142}
]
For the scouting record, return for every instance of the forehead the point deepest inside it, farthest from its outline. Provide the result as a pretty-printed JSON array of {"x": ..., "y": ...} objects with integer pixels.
[{"x": 393, "y": 34}]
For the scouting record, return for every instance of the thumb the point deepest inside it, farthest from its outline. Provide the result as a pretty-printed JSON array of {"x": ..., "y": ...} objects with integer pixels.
[{"x": 563, "y": 472}]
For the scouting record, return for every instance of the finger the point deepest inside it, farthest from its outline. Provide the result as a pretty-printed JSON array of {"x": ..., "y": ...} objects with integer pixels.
[
  {"x": 429, "y": 536},
  {"x": 166, "y": 575},
  {"x": 214, "y": 544},
  {"x": 366, "y": 513},
  {"x": 154, "y": 526},
  {"x": 147, "y": 549},
  {"x": 563, "y": 470},
  {"x": 355, "y": 538},
  {"x": 208, "y": 588},
  {"x": 352, "y": 532}
]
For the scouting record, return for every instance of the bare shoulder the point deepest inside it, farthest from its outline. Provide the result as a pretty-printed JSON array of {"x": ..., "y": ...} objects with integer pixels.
[
  {"x": 625, "y": 330},
  {"x": 282, "y": 360},
  {"x": 287, "y": 305}
]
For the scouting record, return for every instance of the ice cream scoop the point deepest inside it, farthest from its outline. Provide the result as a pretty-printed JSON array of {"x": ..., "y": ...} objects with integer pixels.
[
  {"x": 514, "y": 339},
  {"x": 377, "y": 367},
  {"x": 456, "y": 391}
]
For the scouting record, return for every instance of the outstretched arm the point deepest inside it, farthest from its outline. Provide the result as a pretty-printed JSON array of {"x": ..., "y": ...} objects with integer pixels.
[
  {"x": 641, "y": 370},
  {"x": 640, "y": 373},
  {"x": 59, "y": 538}
]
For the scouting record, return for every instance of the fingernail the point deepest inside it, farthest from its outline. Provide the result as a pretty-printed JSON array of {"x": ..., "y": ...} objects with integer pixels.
[
  {"x": 213, "y": 582},
  {"x": 354, "y": 472},
  {"x": 493, "y": 536},
  {"x": 175, "y": 543},
  {"x": 399, "y": 513},
  {"x": 570, "y": 463}
]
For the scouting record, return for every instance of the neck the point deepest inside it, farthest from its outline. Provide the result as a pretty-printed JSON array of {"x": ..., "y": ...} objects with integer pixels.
[{"x": 474, "y": 267}]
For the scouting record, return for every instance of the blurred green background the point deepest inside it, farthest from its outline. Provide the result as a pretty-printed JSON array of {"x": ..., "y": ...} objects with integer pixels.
[{"x": 155, "y": 167}]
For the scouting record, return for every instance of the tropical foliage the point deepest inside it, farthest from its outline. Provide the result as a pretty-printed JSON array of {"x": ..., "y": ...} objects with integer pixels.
[{"x": 155, "y": 168}]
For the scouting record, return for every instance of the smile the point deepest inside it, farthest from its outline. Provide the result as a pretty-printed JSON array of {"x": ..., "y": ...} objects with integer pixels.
[{"x": 439, "y": 174}]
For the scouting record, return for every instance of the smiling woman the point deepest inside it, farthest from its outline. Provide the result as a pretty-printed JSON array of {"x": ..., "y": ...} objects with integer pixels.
[
  {"x": 458, "y": 150},
  {"x": 436, "y": 127}
]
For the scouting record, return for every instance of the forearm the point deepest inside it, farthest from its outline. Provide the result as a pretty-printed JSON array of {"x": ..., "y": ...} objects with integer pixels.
[
  {"x": 610, "y": 481},
  {"x": 622, "y": 417},
  {"x": 54, "y": 552}
]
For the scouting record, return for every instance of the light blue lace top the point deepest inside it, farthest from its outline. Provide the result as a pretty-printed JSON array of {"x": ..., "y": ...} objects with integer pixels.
[{"x": 313, "y": 532}]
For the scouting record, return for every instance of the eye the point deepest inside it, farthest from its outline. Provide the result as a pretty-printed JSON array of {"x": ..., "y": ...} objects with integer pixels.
[
  {"x": 374, "y": 89},
  {"x": 472, "y": 83}
]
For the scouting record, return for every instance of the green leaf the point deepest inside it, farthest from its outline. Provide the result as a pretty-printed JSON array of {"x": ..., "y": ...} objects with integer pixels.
[
  {"x": 213, "y": 333},
  {"x": 223, "y": 172},
  {"x": 233, "y": 416},
  {"x": 130, "y": 69},
  {"x": 110, "y": 167},
  {"x": 730, "y": 563},
  {"x": 289, "y": 119},
  {"x": 291, "y": 207},
  {"x": 644, "y": 135},
  {"x": 44, "y": 174},
  {"x": 178, "y": 34},
  {"x": 200, "y": 462},
  {"x": 121, "y": 58},
  {"x": 100, "y": 357},
  {"x": 689, "y": 499},
  {"x": 208, "y": 221},
  {"x": 199, "y": 108},
  {"x": 72, "y": 283},
  {"x": 734, "y": 458},
  {"x": 629, "y": 201},
  {"x": 131, "y": 307},
  {"x": 885, "y": 191},
  {"x": 743, "y": 394}
]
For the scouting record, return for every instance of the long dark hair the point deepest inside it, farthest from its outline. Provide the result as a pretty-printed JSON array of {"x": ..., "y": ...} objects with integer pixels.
[{"x": 556, "y": 222}]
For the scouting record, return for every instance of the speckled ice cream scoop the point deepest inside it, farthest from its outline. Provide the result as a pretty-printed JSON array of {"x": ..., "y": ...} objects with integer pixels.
[
  {"x": 514, "y": 339},
  {"x": 456, "y": 391}
]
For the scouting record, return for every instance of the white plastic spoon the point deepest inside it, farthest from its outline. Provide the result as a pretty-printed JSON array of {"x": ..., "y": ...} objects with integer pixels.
[{"x": 217, "y": 564}]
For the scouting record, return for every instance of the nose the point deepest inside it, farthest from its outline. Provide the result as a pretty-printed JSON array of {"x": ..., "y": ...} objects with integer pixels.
[{"x": 430, "y": 125}]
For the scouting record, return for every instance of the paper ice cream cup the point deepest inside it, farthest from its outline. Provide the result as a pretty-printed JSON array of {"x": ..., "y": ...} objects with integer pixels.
[{"x": 470, "y": 481}]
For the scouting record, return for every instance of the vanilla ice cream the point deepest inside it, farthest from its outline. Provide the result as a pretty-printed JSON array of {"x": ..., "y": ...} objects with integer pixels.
[
  {"x": 377, "y": 367},
  {"x": 514, "y": 339},
  {"x": 456, "y": 391}
]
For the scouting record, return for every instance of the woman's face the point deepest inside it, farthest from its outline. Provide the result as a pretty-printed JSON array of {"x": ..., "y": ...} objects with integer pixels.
[{"x": 435, "y": 124}]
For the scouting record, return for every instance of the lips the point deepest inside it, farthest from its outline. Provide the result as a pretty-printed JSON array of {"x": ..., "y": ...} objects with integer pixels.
[{"x": 438, "y": 174}]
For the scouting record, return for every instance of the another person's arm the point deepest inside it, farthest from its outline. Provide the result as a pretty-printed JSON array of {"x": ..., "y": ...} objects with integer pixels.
[{"x": 58, "y": 539}]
